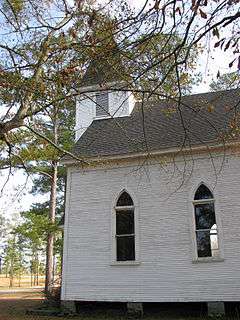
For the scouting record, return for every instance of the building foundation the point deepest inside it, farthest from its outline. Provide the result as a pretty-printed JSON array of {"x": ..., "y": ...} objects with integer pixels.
[
  {"x": 216, "y": 308},
  {"x": 135, "y": 309},
  {"x": 68, "y": 306}
]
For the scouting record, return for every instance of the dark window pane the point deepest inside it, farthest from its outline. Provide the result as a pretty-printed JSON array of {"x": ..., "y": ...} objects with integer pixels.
[
  {"x": 125, "y": 222},
  {"x": 102, "y": 104},
  {"x": 203, "y": 193},
  {"x": 204, "y": 216},
  {"x": 125, "y": 248},
  {"x": 124, "y": 200},
  {"x": 203, "y": 244}
]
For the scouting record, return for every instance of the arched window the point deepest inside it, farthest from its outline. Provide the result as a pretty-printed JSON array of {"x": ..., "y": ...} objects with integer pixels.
[
  {"x": 125, "y": 228},
  {"x": 205, "y": 223}
]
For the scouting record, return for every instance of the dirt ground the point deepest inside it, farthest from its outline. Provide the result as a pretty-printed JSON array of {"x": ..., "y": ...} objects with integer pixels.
[{"x": 13, "y": 306}]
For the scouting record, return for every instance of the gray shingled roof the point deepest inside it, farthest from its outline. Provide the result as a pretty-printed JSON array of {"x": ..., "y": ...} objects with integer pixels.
[
  {"x": 99, "y": 74},
  {"x": 205, "y": 117}
]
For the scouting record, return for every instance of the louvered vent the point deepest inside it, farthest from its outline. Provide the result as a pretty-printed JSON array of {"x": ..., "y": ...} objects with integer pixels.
[{"x": 102, "y": 104}]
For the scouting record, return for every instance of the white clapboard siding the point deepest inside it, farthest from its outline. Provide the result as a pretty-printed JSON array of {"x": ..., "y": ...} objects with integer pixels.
[{"x": 166, "y": 271}]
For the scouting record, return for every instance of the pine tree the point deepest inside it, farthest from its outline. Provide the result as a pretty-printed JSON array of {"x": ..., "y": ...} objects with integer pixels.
[{"x": 13, "y": 262}]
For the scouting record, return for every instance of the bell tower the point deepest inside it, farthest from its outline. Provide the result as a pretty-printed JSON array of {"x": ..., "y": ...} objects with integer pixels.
[{"x": 103, "y": 95}]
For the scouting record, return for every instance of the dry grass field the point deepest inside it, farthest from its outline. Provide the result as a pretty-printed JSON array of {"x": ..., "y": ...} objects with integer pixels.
[{"x": 25, "y": 282}]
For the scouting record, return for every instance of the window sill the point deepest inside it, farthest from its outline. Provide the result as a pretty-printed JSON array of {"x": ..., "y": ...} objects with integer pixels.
[
  {"x": 102, "y": 117},
  {"x": 208, "y": 259},
  {"x": 125, "y": 263}
]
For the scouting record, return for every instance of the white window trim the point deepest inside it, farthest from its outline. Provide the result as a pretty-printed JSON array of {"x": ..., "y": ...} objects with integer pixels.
[
  {"x": 125, "y": 263},
  {"x": 109, "y": 117},
  {"x": 195, "y": 258},
  {"x": 102, "y": 117},
  {"x": 114, "y": 261}
]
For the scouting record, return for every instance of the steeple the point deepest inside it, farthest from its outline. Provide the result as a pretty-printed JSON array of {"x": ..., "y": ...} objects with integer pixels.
[
  {"x": 104, "y": 92},
  {"x": 102, "y": 71}
]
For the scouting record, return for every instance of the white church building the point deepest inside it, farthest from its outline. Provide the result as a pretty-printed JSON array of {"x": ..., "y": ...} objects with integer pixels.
[{"x": 153, "y": 211}]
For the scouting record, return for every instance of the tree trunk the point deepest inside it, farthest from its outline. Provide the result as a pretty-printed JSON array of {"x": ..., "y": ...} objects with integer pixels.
[
  {"x": 11, "y": 275},
  {"x": 37, "y": 267},
  {"x": 54, "y": 266},
  {"x": 52, "y": 209},
  {"x": 11, "y": 282},
  {"x": 50, "y": 240},
  {"x": 31, "y": 276}
]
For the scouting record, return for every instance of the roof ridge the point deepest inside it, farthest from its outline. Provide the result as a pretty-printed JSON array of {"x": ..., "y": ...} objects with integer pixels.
[{"x": 193, "y": 95}]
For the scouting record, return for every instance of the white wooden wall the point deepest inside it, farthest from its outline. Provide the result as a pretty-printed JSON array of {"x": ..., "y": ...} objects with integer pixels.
[
  {"x": 85, "y": 113},
  {"x": 166, "y": 271}
]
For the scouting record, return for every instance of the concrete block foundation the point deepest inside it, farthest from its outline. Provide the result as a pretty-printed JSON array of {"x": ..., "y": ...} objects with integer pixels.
[
  {"x": 216, "y": 308},
  {"x": 135, "y": 309},
  {"x": 68, "y": 306}
]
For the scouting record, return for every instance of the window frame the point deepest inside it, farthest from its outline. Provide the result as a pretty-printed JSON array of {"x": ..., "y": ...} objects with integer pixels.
[
  {"x": 195, "y": 257},
  {"x": 116, "y": 208}
]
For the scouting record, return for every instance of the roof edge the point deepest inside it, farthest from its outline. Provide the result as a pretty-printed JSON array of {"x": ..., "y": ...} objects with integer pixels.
[
  {"x": 186, "y": 150},
  {"x": 96, "y": 87}
]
